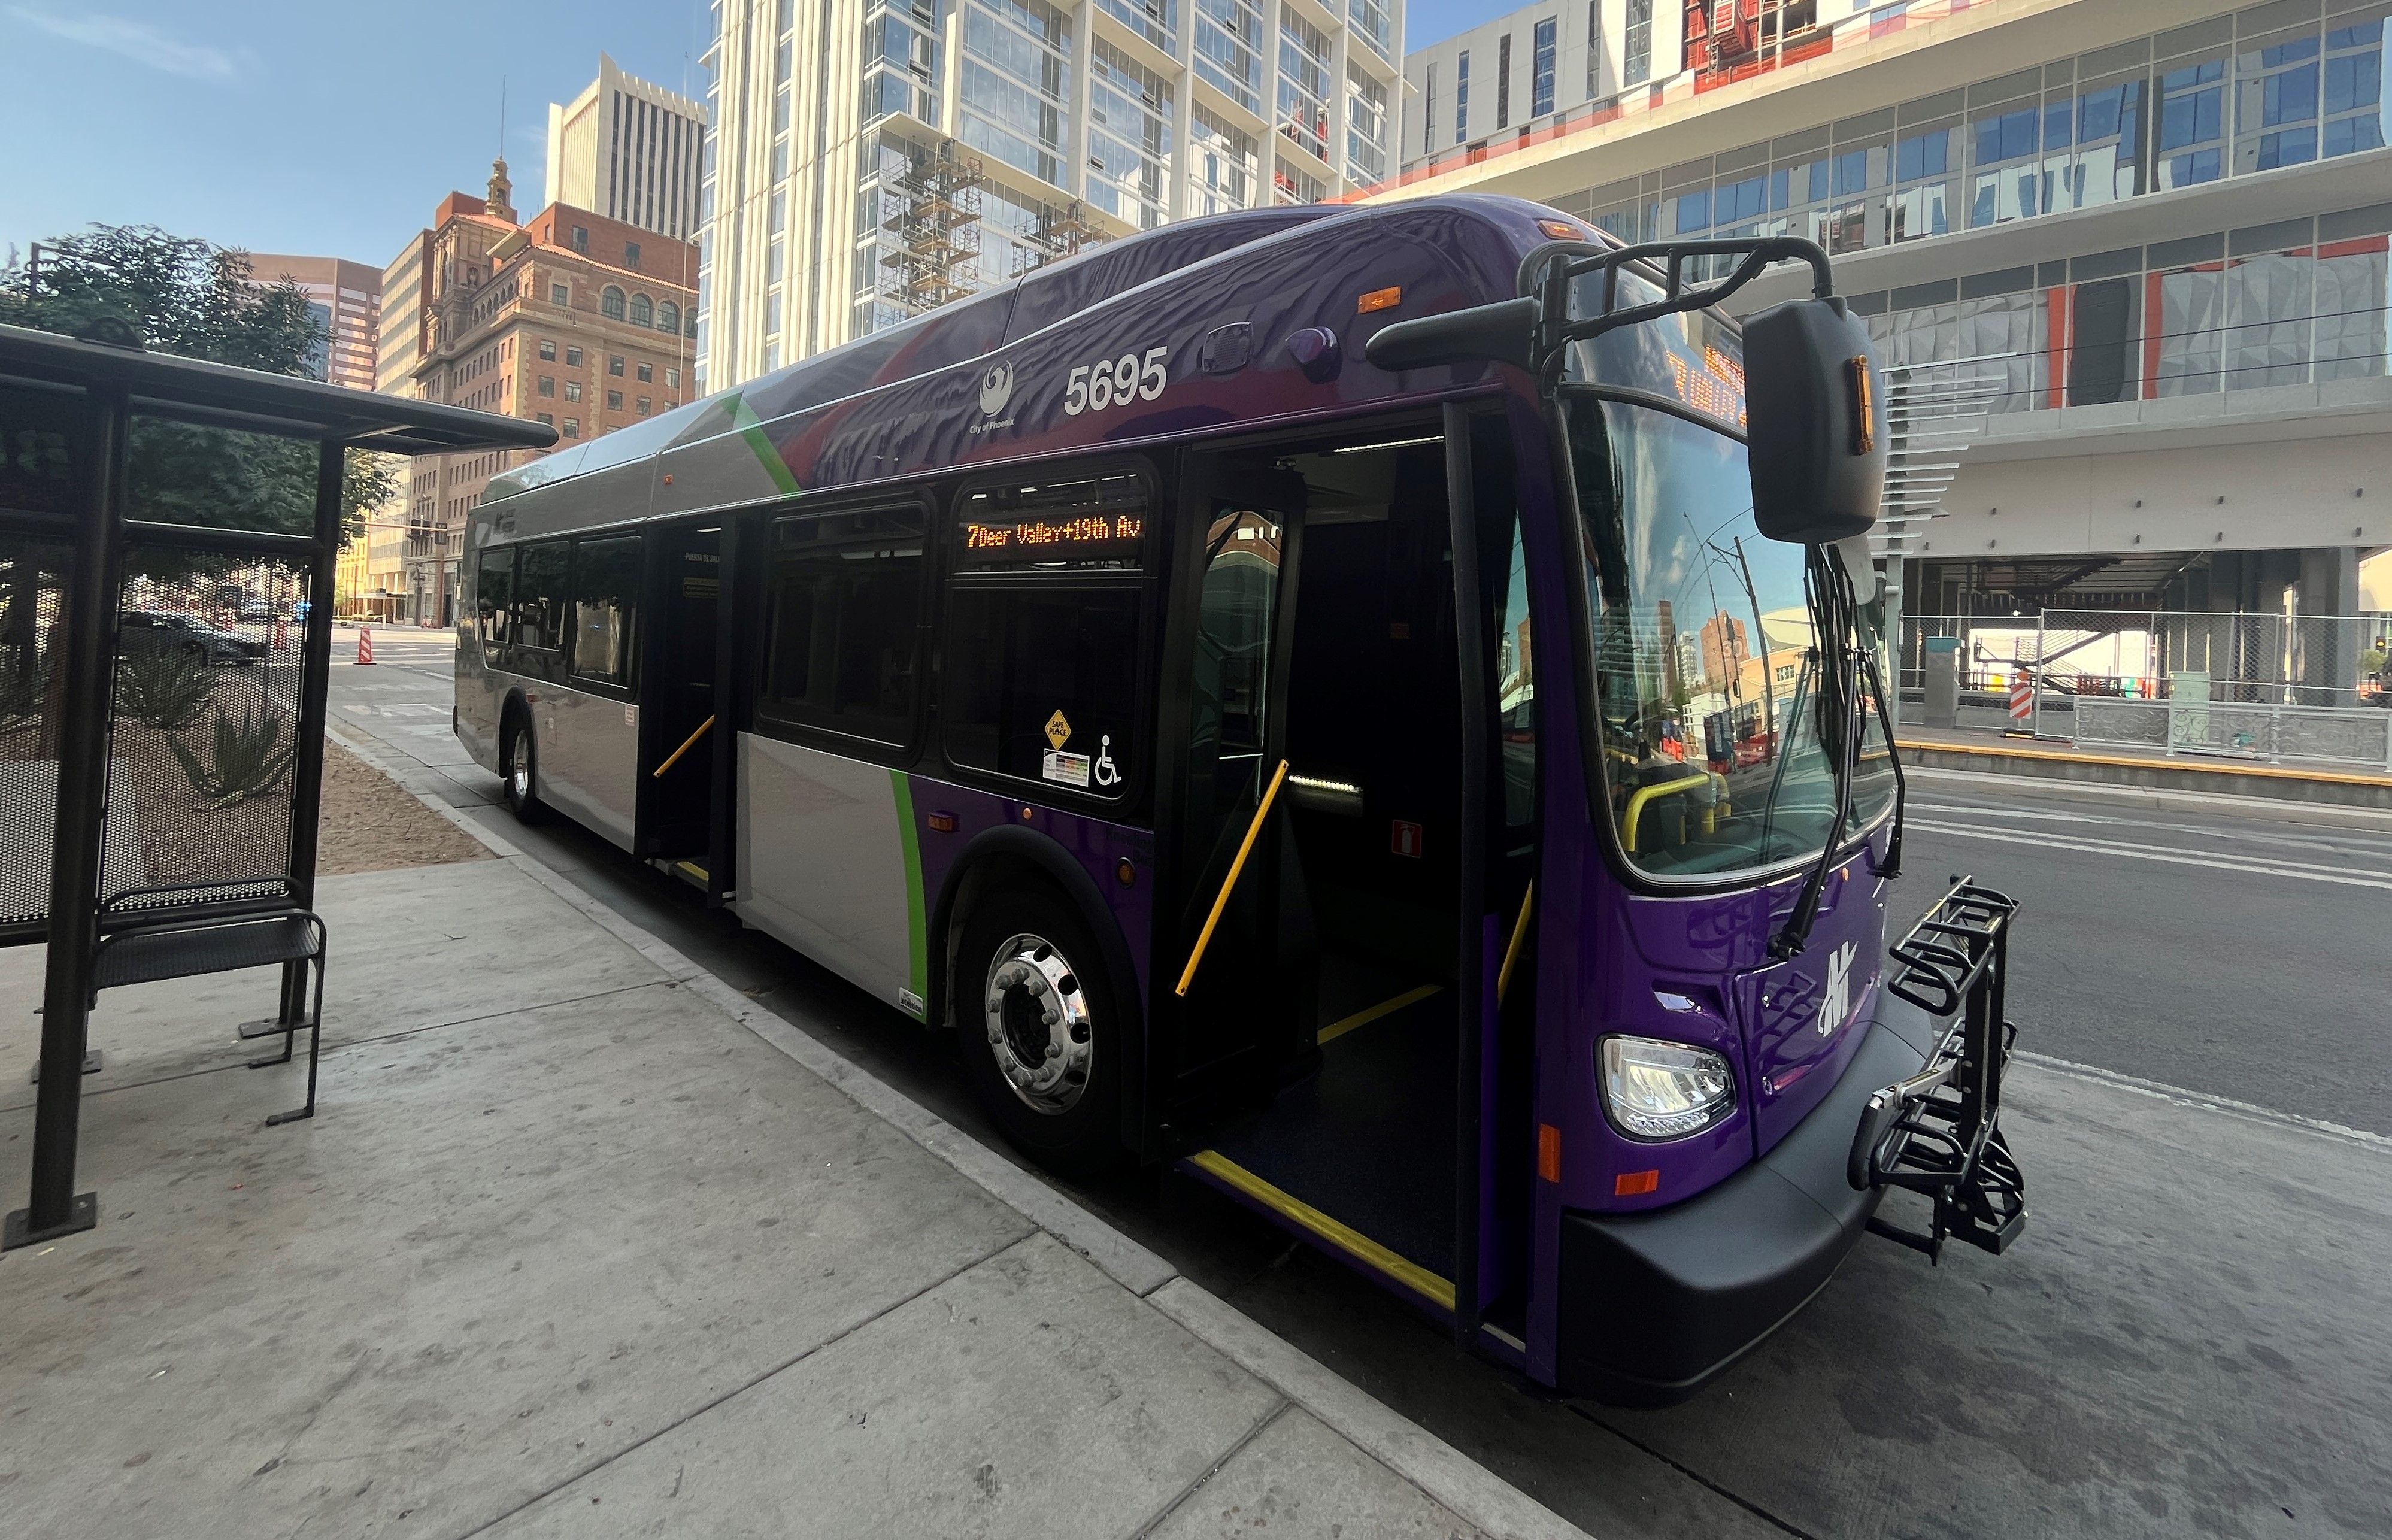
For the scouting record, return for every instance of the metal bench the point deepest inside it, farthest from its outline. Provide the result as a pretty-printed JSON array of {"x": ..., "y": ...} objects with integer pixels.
[{"x": 175, "y": 949}]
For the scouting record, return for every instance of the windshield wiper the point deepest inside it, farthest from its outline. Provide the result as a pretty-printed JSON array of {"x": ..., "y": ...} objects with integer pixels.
[{"x": 1832, "y": 612}]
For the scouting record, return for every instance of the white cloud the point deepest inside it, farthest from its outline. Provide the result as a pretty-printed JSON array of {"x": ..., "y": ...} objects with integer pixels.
[{"x": 139, "y": 41}]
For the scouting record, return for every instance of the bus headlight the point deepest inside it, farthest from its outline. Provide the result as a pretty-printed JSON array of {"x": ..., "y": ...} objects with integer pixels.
[{"x": 1660, "y": 1091}]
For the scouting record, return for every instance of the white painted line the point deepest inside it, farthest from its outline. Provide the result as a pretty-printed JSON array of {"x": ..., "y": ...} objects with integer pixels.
[
  {"x": 1495, "y": 1505},
  {"x": 2248, "y": 1111},
  {"x": 2137, "y": 853},
  {"x": 2168, "y": 798},
  {"x": 1489, "y": 1504}
]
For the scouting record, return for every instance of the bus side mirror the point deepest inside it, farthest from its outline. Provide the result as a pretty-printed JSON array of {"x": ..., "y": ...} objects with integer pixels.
[
  {"x": 1815, "y": 425},
  {"x": 1504, "y": 332}
]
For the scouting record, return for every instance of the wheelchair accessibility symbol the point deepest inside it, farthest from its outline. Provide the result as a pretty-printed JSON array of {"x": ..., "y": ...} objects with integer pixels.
[{"x": 1107, "y": 773}]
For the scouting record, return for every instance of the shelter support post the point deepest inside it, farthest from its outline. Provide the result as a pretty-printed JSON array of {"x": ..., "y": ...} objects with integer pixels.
[
  {"x": 314, "y": 679},
  {"x": 53, "y": 1207}
]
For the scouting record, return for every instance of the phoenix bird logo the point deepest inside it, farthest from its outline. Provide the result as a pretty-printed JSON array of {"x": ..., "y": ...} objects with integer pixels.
[{"x": 995, "y": 388}]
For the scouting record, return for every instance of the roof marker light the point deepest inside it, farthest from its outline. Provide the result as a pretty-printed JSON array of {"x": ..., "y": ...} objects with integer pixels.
[{"x": 1378, "y": 299}]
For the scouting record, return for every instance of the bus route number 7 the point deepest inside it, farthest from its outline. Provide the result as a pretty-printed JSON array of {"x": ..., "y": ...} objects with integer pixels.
[{"x": 1093, "y": 387}]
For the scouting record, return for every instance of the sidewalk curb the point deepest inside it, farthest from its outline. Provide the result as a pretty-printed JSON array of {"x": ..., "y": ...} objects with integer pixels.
[
  {"x": 2298, "y": 788},
  {"x": 1476, "y": 1494}
]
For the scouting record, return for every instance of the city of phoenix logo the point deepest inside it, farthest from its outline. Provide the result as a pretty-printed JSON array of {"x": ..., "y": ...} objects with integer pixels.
[{"x": 995, "y": 388}]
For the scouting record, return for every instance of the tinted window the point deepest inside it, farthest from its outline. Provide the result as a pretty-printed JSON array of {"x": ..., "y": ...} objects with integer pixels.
[
  {"x": 491, "y": 591},
  {"x": 536, "y": 613},
  {"x": 605, "y": 598},
  {"x": 842, "y": 622},
  {"x": 1041, "y": 683}
]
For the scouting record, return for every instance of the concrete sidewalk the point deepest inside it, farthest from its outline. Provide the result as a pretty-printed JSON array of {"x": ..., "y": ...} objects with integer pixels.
[{"x": 582, "y": 1244}]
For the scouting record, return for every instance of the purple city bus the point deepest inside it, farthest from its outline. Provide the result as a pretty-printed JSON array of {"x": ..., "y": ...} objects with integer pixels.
[{"x": 1375, "y": 708}]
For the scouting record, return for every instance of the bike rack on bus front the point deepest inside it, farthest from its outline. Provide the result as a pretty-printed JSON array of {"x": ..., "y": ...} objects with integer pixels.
[{"x": 1938, "y": 1133}]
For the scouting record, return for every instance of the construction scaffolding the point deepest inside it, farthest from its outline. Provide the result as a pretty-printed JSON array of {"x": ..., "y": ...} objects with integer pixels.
[
  {"x": 1058, "y": 233},
  {"x": 936, "y": 220}
]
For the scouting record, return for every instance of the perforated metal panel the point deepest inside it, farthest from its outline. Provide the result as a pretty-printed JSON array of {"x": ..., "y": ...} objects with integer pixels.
[
  {"x": 203, "y": 730},
  {"x": 33, "y": 574}
]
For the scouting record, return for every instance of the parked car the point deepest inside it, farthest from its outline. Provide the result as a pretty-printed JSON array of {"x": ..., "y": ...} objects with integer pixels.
[
  {"x": 257, "y": 610},
  {"x": 166, "y": 630}
]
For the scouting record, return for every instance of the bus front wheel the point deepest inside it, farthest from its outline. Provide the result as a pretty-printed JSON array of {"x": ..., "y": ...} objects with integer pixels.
[
  {"x": 1035, "y": 1022},
  {"x": 519, "y": 768}
]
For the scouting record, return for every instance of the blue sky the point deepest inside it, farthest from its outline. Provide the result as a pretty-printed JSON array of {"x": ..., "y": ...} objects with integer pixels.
[
  {"x": 329, "y": 128},
  {"x": 323, "y": 128}
]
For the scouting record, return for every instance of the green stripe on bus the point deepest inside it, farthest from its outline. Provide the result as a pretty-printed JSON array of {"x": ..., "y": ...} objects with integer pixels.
[
  {"x": 751, "y": 430},
  {"x": 916, "y": 927}
]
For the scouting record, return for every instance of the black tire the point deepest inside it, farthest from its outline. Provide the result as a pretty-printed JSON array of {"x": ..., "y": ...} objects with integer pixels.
[
  {"x": 1072, "y": 1127},
  {"x": 519, "y": 767}
]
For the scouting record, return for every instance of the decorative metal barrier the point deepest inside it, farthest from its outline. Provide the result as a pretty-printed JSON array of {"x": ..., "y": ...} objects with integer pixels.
[
  {"x": 1939, "y": 1132},
  {"x": 2269, "y": 733}
]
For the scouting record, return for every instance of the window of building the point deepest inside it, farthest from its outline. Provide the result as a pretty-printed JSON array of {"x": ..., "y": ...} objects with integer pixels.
[
  {"x": 644, "y": 312},
  {"x": 573, "y": 428},
  {"x": 842, "y": 644},
  {"x": 548, "y": 384},
  {"x": 672, "y": 379},
  {"x": 573, "y": 358},
  {"x": 1503, "y": 81},
  {"x": 1636, "y": 67},
  {"x": 615, "y": 365},
  {"x": 1541, "y": 81},
  {"x": 548, "y": 419},
  {"x": 1461, "y": 96},
  {"x": 1035, "y": 629},
  {"x": 610, "y": 303},
  {"x": 647, "y": 372},
  {"x": 631, "y": 255},
  {"x": 1428, "y": 110},
  {"x": 613, "y": 401},
  {"x": 669, "y": 317},
  {"x": 573, "y": 390},
  {"x": 605, "y": 601},
  {"x": 643, "y": 404},
  {"x": 581, "y": 240},
  {"x": 1593, "y": 48},
  {"x": 548, "y": 350},
  {"x": 559, "y": 294},
  {"x": 2189, "y": 120}
]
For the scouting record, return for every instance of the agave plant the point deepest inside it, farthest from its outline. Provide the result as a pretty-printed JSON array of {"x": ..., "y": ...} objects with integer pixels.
[
  {"x": 246, "y": 759},
  {"x": 163, "y": 688}
]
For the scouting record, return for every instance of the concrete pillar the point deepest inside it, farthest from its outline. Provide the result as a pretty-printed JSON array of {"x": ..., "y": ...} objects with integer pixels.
[{"x": 2328, "y": 654}]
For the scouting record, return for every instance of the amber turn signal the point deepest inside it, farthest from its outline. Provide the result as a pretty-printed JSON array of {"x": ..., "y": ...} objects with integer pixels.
[
  {"x": 1635, "y": 1184},
  {"x": 1378, "y": 299},
  {"x": 1548, "y": 1152},
  {"x": 942, "y": 823}
]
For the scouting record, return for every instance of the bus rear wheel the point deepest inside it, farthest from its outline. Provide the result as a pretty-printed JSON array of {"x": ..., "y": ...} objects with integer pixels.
[
  {"x": 1036, "y": 1026},
  {"x": 519, "y": 768}
]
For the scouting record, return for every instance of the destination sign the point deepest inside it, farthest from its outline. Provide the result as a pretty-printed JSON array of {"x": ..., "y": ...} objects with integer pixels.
[{"x": 1098, "y": 523}]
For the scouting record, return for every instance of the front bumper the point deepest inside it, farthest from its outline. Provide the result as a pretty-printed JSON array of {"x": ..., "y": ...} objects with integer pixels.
[{"x": 1653, "y": 1306}]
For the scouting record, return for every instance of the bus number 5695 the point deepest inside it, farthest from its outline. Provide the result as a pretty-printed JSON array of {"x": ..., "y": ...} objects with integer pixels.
[{"x": 1093, "y": 387}]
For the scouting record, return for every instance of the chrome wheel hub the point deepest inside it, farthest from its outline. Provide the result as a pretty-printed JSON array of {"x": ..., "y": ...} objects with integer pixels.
[
  {"x": 1038, "y": 1023},
  {"x": 519, "y": 766}
]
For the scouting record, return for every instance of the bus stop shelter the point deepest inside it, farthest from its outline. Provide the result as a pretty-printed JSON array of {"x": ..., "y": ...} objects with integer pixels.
[{"x": 168, "y": 534}]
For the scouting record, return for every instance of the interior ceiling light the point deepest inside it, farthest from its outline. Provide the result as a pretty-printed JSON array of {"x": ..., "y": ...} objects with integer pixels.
[{"x": 1390, "y": 444}]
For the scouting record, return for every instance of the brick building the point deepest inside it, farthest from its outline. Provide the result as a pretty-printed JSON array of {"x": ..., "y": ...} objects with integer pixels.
[{"x": 572, "y": 319}]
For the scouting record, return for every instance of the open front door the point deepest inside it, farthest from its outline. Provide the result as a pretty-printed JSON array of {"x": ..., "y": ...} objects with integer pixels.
[
  {"x": 677, "y": 694},
  {"x": 1344, "y": 1015},
  {"x": 1225, "y": 1033}
]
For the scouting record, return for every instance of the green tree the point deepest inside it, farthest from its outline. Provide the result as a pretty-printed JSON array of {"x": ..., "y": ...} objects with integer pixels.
[{"x": 188, "y": 297}]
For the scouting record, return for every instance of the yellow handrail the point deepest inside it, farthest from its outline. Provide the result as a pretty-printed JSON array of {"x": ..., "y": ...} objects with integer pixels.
[
  {"x": 1643, "y": 794},
  {"x": 1204, "y": 937},
  {"x": 659, "y": 774},
  {"x": 1519, "y": 936}
]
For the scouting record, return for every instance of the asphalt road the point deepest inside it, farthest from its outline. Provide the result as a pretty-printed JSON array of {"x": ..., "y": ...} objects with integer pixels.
[{"x": 2194, "y": 1336}]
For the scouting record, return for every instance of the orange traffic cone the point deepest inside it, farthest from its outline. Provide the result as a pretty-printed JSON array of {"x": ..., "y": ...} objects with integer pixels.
[
  {"x": 281, "y": 636},
  {"x": 365, "y": 644}
]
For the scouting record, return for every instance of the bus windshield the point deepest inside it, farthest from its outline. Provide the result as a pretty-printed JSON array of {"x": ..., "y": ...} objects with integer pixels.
[{"x": 1706, "y": 671}]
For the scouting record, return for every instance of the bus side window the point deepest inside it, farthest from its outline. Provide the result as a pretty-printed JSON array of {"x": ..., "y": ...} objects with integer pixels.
[
  {"x": 492, "y": 594},
  {"x": 537, "y": 644},
  {"x": 605, "y": 599},
  {"x": 842, "y": 614}
]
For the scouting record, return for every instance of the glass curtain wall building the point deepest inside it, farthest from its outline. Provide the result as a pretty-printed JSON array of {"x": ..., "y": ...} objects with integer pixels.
[
  {"x": 2152, "y": 235},
  {"x": 874, "y": 159}
]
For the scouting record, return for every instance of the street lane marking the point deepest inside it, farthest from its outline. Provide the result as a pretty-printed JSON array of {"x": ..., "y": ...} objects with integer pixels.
[
  {"x": 2136, "y": 853},
  {"x": 2204, "y": 1100},
  {"x": 2358, "y": 844}
]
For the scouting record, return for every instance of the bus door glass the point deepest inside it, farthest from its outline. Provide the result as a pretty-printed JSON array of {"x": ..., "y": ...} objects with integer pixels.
[
  {"x": 677, "y": 694},
  {"x": 1246, "y": 521}
]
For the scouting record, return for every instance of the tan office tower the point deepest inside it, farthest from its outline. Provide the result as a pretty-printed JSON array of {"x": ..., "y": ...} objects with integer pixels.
[
  {"x": 628, "y": 150},
  {"x": 346, "y": 297},
  {"x": 874, "y": 159}
]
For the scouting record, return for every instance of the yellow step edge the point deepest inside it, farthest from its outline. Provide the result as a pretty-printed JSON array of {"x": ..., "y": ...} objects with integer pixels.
[
  {"x": 1344, "y": 1237},
  {"x": 2269, "y": 772}
]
